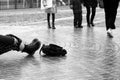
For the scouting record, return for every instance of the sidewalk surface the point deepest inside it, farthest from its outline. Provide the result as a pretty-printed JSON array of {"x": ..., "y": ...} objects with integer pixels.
[{"x": 91, "y": 54}]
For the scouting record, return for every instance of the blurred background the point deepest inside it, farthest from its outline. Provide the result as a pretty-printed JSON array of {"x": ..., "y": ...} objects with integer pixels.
[{"x": 21, "y": 4}]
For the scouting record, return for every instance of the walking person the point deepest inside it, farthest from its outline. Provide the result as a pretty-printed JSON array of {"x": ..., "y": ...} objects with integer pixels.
[
  {"x": 110, "y": 8},
  {"x": 51, "y": 11},
  {"x": 90, "y": 4},
  {"x": 76, "y": 6},
  {"x": 11, "y": 42}
]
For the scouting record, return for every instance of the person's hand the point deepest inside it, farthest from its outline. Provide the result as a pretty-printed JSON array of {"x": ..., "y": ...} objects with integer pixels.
[{"x": 71, "y": 6}]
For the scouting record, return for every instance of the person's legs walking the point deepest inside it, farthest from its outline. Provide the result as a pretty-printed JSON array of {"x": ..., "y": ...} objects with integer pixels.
[
  {"x": 114, "y": 14},
  {"x": 53, "y": 20},
  {"x": 88, "y": 16},
  {"x": 110, "y": 15},
  {"x": 80, "y": 19},
  {"x": 93, "y": 15},
  {"x": 48, "y": 20},
  {"x": 112, "y": 20},
  {"x": 108, "y": 19},
  {"x": 75, "y": 20}
]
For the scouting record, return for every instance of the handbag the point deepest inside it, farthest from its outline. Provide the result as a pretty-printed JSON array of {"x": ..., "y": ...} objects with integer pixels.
[{"x": 53, "y": 50}]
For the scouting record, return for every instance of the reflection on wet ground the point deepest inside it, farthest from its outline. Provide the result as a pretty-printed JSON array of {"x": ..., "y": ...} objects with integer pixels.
[{"x": 91, "y": 56}]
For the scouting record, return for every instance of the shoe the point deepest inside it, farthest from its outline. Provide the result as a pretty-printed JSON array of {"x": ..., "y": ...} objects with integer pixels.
[
  {"x": 88, "y": 25},
  {"x": 80, "y": 27},
  {"x": 109, "y": 33},
  {"x": 32, "y": 47},
  {"x": 49, "y": 26},
  {"x": 75, "y": 26},
  {"x": 53, "y": 27},
  {"x": 92, "y": 24}
]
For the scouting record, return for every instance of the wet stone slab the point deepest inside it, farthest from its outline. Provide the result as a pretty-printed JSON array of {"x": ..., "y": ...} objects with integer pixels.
[{"x": 91, "y": 55}]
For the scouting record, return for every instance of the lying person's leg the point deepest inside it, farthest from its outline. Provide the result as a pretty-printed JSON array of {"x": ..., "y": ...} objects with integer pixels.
[{"x": 12, "y": 42}]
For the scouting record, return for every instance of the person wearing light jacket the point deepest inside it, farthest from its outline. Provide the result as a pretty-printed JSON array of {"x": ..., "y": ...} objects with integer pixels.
[{"x": 51, "y": 11}]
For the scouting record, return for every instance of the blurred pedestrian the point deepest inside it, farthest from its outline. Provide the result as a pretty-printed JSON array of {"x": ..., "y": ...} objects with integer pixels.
[
  {"x": 110, "y": 8},
  {"x": 90, "y": 4},
  {"x": 76, "y": 6},
  {"x": 11, "y": 42},
  {"x": 51, "y": 11}
]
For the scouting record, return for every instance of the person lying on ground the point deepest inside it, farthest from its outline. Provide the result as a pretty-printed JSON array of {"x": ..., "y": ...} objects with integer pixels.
[{"x": 11, "y": 42}]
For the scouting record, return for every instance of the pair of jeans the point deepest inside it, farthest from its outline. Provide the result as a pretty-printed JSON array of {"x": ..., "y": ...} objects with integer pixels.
[{"x": 6, "y": 43}]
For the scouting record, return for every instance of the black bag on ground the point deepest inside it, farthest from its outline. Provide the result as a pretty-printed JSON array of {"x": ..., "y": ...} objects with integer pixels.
[{"x": 53, "y": 50}]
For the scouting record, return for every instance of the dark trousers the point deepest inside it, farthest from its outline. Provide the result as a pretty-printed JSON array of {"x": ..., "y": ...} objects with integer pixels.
[
  {"x": 77, "y": 18},
  {"x": 5, "y": 43},
  {"x": 110, "y": 16},
  {"x": 88, "y": 17},
  {"x": 110, "y": 13},
  {"x": 6, "y": 40},
  {"x": 53, "y": 18}
]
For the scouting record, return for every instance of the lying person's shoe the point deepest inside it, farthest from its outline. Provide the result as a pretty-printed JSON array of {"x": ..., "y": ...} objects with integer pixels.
[{"x": 32, "y": 47}]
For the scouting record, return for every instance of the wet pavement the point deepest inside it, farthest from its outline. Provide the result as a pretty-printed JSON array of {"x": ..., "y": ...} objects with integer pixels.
[{"x": 91, "y": 54}]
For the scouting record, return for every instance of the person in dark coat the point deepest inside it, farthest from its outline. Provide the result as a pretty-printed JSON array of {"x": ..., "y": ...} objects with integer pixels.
[
  {"x": 76, "y": 6},
  {"x": 90, "y": 4},
  {"x": 110, "y": 8}
]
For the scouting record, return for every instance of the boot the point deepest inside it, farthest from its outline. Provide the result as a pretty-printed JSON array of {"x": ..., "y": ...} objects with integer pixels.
[
  {"x": 49, "y": 25},
  {"x": 32, "y": 47},
  {"x": 88, "y": 24},
  {"x": 75, "y": 23},
  {"x": 92, "y": 24},
  {"x": 53, "y": 25}
]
